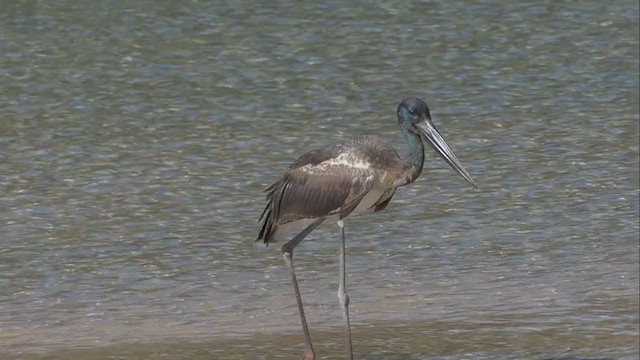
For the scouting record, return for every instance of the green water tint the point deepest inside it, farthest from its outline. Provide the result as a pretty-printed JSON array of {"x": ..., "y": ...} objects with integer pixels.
[
  {"x": 391, "y": 341},
  {"x": 136, "y": 140}
]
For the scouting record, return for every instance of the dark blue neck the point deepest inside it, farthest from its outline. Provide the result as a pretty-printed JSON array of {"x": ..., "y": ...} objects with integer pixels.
[{"x": 413, "y": 158}]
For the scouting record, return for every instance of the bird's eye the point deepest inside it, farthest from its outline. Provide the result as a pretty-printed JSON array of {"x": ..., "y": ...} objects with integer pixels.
[{"x": 412, "y": 112}]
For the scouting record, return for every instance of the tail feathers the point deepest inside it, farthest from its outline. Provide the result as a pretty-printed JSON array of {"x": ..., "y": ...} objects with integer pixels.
[
  {"x": 267, "y": 229},
  {"x": 268, "y": 226}
]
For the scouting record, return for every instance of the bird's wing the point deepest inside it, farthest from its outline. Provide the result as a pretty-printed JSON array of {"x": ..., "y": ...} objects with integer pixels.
[
  {"x": 313, "y": 191},
  {"x": 322, "y": 182},
  {"x": 318, "y": 156},
  {"x": 320, "y": 190},
  {"x": 381, "y": 205}
]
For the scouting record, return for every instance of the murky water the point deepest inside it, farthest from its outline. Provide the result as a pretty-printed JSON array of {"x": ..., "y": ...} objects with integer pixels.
[{"x": 135, "y": 141}]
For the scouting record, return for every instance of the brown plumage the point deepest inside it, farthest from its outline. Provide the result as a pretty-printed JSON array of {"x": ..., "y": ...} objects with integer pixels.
[
  {"x": 349, "y": 177},
  {"x": 330, "y": 181}
]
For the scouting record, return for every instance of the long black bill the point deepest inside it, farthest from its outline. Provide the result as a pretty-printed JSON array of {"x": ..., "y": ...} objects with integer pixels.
[{"x": 441, "y": 147}]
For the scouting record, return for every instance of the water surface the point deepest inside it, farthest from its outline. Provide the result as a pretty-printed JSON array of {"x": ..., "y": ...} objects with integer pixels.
[{"x": 135, "y": 141}]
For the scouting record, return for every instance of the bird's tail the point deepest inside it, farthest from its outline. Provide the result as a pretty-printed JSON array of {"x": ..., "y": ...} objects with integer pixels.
[{"x": 268, "y": 226}]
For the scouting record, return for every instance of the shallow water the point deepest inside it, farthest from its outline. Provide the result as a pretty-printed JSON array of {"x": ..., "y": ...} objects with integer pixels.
[{"x": 135, "y": 143}]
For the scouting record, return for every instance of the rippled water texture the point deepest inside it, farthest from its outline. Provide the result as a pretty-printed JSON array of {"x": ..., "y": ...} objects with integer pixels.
[{"x": 136, "y": 138}]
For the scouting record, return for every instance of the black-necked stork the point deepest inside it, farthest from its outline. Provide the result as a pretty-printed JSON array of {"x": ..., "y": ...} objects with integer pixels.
[{"x": 335, "y": 181}]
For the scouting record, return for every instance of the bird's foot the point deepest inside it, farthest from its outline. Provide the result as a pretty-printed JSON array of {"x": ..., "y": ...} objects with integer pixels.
[{"x": 309, "y": 355}]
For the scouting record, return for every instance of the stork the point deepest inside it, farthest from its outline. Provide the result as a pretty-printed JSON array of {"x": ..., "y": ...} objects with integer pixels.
[{"x": 346, "y": 178}]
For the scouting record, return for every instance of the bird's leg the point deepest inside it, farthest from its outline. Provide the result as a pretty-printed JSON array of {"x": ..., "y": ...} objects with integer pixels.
[
  {"x": 342, "y": 291},
  {"x": 287, "y": 252}
]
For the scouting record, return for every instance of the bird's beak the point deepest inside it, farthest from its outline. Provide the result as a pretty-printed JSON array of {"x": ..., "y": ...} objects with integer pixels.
[{"x": 435, "y": 139}]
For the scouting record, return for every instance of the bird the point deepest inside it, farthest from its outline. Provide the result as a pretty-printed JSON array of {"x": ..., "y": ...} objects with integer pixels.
[{"x": 357, "y": 175}]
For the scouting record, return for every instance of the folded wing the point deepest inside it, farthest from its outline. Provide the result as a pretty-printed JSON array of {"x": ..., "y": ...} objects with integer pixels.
[{"x": 313, "y": 191}]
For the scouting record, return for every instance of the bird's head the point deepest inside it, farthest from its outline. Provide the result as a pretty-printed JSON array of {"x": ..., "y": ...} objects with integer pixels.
[
  {"x": 412, "y": 111},
  {"x": 414, "y": 116}
]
